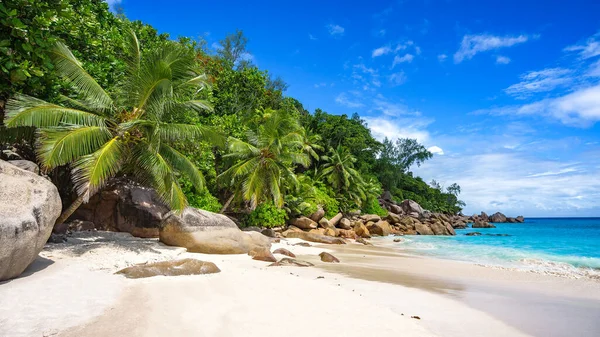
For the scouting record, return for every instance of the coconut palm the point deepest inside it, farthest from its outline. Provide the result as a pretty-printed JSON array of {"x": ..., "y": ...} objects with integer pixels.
[
  {"x": 338, "y": 171},
  {"x": 264, "y": 164},
  {"x": 101, "y": 135}
]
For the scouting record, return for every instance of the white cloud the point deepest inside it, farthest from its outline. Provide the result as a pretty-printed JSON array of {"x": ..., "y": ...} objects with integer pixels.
[
  {"x": 381, "y": 33},
  {"x": 540, "y": 81},
  {"x": 580, "y": 108},
  {"x": 591, "y": 48},
  {"x": 403, "y": 46},
  {"x": 392, "y": 128},
  {"x": 312, "y": 37},
  {"x": 473, "y": 44},
  {"x": 112, "y": 3},
  {"x": 436, "y": 150},
  {"x": 594, "y": 70},
  {"x": 350, "y": 102},
  {"x": 381, "y": 51},
  {"x": 397, "y": 78},
  {"x": 320, "y": 85},
  {"x": 335, "y": 30},
  {"x": 401, "y": 59},
  {"x": 518, "y": 184},
  {"x": 442, "y": 57},
  {"x": 502, "y": 60}
]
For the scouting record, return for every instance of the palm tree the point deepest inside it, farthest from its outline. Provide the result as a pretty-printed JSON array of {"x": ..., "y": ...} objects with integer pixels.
[
  {"x": 338, "y": 171},
  {"x": 264, "y": 164},
  {"x": 101, "y": 135}
]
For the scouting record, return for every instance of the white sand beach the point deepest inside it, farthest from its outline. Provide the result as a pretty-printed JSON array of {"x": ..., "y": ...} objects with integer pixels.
[{"x": 71, "y": 290}]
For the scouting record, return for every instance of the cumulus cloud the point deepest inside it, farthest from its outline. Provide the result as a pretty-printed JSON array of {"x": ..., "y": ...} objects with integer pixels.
[
  {"x": 402, "y": 59},
  {"x": 392, "y": 128},
  {"x": 540, "y": 81},
  {"x": 580, "y": 108},
  {"x": 517, "y": 183},
  {"x": 436, "y": 150},
  {"x": 473, "y": 44},
  {"x": 335, "y": 30},
  {"x": 442, "y": 57},
  {"x": 312, "y": 37},
  {"x": 502, "y": 60}
]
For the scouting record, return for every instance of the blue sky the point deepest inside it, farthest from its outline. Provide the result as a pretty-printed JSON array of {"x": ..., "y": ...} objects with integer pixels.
[{"x": 505, "y": 93}]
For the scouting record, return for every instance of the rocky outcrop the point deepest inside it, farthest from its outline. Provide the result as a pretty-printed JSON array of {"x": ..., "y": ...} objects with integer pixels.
[
  {"x": 334, "y": 221},
  {"x": 482, "y": 224},
  {"x": 361, "y": 230},
  {"x": 313, "y": 237},
  {"x": 318, "y": 215},
  {"x": 520, "y": 218},
  {"x": 205, "y": 232},
  {"x": 304, "y": 223},
  {"x": 498, "y": 217},
  {"x": 29, "y": 206},
  {"x": 345, "y": 224},
  {"x": 370, "y": 217},
  {"x": 411, "y": 208},
  {"x": 124, "y": 206},
  {"x": 381, "y": 228},
  {"x": 326, "y": 257},
  {"x": 170, "y": 268}
]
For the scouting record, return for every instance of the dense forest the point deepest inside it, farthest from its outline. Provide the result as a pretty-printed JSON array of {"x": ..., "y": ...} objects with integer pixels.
[{"x": 91, "y": 95}]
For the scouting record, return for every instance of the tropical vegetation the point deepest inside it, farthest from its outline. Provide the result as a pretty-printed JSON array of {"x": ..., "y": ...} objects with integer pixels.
[{"x": 92, "y": 96}]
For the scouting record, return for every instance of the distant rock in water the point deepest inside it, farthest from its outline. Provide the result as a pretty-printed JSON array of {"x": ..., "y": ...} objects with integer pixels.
[
  {"x": 497, "y": 234},
  {"x": 482, "y": 224},
  {"x": 29, "y": 206},
  {"x": 498, "y": 217},
  {"x": 170, "y": 268},
  {"x": 473, "y": 234}
]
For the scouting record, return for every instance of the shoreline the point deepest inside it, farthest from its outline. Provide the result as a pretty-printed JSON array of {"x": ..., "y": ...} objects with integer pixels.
[
  {"x": 73, "y": 291},
  {"x": 535, "y": 303}
]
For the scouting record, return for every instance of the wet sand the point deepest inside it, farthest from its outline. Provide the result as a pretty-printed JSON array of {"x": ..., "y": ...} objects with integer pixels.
[{"x": 538, "y": 305}]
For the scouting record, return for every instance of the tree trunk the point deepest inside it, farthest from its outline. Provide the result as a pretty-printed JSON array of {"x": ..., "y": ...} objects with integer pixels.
[
  {"x": 70, "y": 210},
  {"x": 227, "y": 204}
]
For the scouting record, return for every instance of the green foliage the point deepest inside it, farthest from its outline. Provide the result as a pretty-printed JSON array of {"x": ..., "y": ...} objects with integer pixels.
[
  {"x": 202, "y": 200},
  {"x": 325, "y": 198},
  {"x": 101, "y": 134},
  {"x": 267, "y": 215},
  {"x": 263, "y": 167},
  {"x": 372, "y": 206}
]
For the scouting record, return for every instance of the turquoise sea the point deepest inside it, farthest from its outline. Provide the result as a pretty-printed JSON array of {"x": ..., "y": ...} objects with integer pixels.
[{"x": 560, "y": 246}]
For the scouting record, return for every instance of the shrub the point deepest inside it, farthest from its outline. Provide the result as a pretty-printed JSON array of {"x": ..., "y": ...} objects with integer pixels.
[
  {"x": 266, "y": 215},
  {"x": 202, "y": 200},
  {"x": 330, "y": 205},
  {"x": 372, "y": 206}
]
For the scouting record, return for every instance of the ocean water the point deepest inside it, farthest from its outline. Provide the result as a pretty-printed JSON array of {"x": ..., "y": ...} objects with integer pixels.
[{"x": 560, "y": 246}]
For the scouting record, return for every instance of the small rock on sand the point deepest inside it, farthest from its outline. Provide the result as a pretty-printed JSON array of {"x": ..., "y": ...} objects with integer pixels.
[
  {"x": 291, "y": 262},
  {"x": 284, "y": 251},
  {"x": 170, "y": 268},
  {"x": 326, "y": 257}
]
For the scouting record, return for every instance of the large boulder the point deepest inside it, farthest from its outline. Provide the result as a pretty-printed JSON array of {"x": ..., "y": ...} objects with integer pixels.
[
  {"x": 318, "y": 215},
  {"x": 170, "y": 268},
  {"x": 482, "y": 224},
  {"x": 334, "y": 221},
  {"x": 484, "y": 217},
  {"x": 125, "y": 206},
  {"x": 361, "y": 230},
  {"x": 423, "y": 229},
  {"x": 411, "y": 208},
  {"x": 370, "y": 217},
  {"x": 396, "y": 209},
  {"x": 204, "y": 232},
  {"x": 303, "y": 223},
  {"x": 381, "y": 228},
  {"x": 345, "y": 224},
  {"x": 29, "y": 206},
  {"x": 26, "y": 165},
  {"x": 393, "y": 218},
  {"x": 520, "y": 218},
  {"x": 497, "y": 217}
]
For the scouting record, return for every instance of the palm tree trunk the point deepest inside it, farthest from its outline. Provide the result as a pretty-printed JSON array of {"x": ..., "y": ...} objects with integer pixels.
[
  {"x": 227, "y": 204},
  {"x": 70, "y": 210}
]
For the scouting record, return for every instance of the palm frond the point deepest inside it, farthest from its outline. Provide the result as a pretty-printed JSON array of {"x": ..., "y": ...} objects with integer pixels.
[
  {"x": 183, "y": 165},
  {"x": 133, "y": 55},
  {"x": 71, "y": 69},
  {"x": 25, "y": 110},
  {"x": 174, "y": 132},
  {"x": 91, "y": 172},
  {"x": 60, "y": 146}
]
